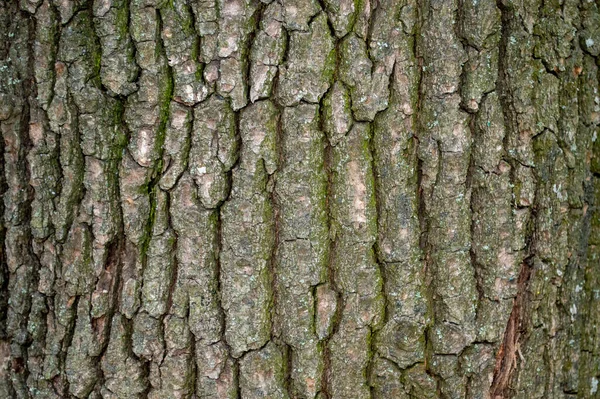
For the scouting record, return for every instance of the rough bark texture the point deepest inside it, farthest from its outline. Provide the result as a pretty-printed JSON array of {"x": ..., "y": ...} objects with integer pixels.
[{"x": 316, "y": 199}]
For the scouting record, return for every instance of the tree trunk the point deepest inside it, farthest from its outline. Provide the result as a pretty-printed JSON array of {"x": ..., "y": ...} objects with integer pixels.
[{"x": 329, "y": 199}]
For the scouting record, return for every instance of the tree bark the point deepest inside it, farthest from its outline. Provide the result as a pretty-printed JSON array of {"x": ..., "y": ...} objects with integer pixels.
[{"x": 316, "y": 199}]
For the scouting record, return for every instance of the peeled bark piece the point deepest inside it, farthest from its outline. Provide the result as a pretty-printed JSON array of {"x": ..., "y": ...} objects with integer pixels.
[
  {"x": 337, "y": 113},
  {"x": 261, "y": 374},
  {"x": 225, "y": 28},
  {"x": 124, "y": 374},
  {"x": 342, "y": 14},
  {"x": 357, "y": 275},
  {"x": 298, "y": 13},
  {"x": 213, "y": 150},
  {"x": 181, "y": 47},
  {"x": 193, "y": 290},
  {"x": 249, "y": 233},
  {"x": 177, "y": 145},
  {"x": 230, "y": 199},
  {"x": 267, "y": 52},
  {"x": 302, "y": 252},
  {"x": 307, "y": 74},
  {"x": 368, "y": 82},
  {"x": 118, "y": 70}
]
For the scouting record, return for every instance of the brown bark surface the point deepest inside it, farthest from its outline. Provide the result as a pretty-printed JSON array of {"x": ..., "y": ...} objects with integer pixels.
[{"x": 300, "y": 199}]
